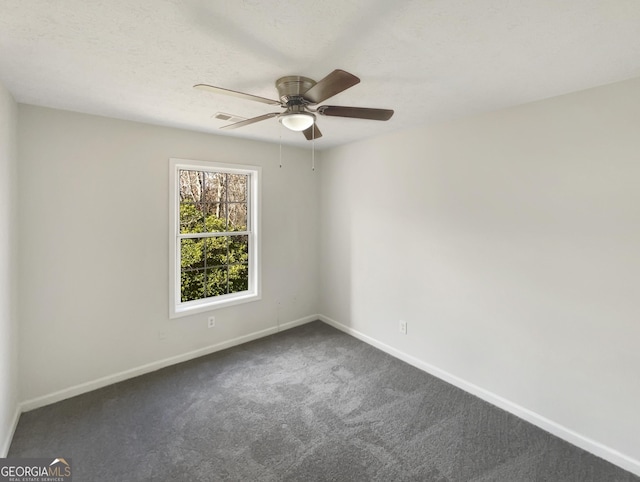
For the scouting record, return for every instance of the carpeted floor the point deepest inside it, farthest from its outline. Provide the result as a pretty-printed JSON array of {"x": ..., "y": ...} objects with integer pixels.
[{"x": 308, "y": 404}]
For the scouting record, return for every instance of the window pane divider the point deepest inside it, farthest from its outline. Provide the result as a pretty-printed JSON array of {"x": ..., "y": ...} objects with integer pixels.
[{"x": 213, "y": 235}]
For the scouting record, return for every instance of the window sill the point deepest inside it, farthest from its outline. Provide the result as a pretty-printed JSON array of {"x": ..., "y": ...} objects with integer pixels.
[{"x": 201, "y": 306}]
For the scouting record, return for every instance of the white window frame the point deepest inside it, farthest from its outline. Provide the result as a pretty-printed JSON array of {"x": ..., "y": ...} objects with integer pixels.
[{"x": 178, "y": 308}]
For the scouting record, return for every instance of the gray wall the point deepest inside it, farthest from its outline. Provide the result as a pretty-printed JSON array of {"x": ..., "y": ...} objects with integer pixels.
[
  {"x": 94, "y": 214},
  {"x": 8, "y": 273},
  {"x": 509, "y": 243}
]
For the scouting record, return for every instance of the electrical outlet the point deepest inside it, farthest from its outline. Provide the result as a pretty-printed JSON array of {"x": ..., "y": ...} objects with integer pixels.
[
  {"x": 211, "y": 322},
  {"x": 403, "y": 327}
]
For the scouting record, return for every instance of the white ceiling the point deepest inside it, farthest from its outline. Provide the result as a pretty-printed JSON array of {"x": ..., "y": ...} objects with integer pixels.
[{"x": 430, "y": 60}]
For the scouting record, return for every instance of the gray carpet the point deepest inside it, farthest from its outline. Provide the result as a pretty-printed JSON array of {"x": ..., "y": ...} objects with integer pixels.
[{"x": 308, "y": 404}]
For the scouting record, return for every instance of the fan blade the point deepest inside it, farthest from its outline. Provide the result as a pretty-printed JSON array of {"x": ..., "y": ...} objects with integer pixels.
[
  {"x": 312, "y": 132},
  {"x": 332, "y": 84},
  {"x": 251, "y": 121},
  {"x": 355, "y": 112},
  {"x": 241, "y": 95}
]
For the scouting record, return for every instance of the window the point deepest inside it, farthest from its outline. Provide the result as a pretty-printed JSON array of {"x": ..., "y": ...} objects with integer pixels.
[{"x": 214, "y": 235}]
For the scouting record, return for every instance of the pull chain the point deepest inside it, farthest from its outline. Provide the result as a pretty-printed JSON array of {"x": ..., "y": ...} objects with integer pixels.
[
  {"x": 280, "y": 132},
  {"x": 313, "y": 147}
]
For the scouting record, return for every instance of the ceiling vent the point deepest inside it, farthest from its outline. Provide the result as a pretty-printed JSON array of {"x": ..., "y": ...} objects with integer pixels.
[{"x": 228, "y": 117}]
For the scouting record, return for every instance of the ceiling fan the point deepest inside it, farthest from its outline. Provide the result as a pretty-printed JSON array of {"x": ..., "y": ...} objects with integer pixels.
[{"x": 298, "y": 95}]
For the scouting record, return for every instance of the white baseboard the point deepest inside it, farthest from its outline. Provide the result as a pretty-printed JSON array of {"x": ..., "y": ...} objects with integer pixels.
[
  {"x": 596, "y": 448},
  {"x": 298, "y": 322},
  {"x": 54, "y": 397},
  {"x": 4, "y": 450},
  {"x": 624, "y": 461}
]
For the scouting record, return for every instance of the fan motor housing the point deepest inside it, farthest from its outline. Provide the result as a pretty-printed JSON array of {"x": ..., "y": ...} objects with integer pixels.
[{"x": 292, "y": 87}]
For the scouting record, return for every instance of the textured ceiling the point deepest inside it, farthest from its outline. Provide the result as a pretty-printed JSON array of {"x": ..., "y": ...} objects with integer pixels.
[{"x": 430, "y": 60}]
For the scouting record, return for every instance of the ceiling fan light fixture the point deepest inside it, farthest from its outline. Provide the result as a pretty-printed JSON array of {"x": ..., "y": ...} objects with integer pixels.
[
  {"x": 296, "y": 94},
  {"x": 297, "y": 121}
]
